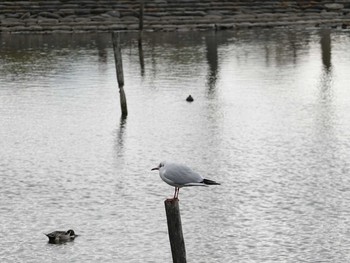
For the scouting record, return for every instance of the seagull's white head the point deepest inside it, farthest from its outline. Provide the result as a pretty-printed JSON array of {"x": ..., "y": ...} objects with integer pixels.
[{"x": 162, "y": 164}]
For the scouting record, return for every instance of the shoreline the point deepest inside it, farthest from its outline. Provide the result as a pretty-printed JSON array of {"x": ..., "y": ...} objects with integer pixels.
[{"x": 102, "y": 16}]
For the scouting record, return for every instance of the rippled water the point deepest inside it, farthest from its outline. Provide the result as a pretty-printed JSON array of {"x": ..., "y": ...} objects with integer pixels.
[{"x": 270, "y": 121}]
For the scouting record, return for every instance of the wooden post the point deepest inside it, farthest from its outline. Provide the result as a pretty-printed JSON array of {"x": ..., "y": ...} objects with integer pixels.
[
  {"x": 119, "y": 70},
  {"x": 177, "y": 242}
]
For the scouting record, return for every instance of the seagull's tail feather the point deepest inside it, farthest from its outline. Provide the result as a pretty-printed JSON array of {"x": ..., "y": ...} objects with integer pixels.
[{"x": 210, "y": 182}]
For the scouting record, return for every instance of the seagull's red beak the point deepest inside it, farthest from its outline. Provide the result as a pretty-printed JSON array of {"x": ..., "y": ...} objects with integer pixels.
[{"x": 156, "y": 168}]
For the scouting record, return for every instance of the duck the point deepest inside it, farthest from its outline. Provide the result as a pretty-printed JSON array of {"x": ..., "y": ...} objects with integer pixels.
[
  {"x": 61, "y": 236},
  {"x": 189, "y": 98}
]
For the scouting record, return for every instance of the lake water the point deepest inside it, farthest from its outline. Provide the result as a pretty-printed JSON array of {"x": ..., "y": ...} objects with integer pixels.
[{"x": 270, "y": 121}]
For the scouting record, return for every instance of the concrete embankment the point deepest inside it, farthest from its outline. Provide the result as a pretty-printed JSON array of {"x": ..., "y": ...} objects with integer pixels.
[{"x": 51, "y": 16}]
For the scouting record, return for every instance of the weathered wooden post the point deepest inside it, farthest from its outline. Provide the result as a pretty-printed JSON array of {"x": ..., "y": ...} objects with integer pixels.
[
  {"x": 119, "y": 70},
  {"x": 177, "y": 242}
]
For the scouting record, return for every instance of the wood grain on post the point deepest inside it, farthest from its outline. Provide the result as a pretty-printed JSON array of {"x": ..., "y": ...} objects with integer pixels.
[{"x": 177, "y": 242}]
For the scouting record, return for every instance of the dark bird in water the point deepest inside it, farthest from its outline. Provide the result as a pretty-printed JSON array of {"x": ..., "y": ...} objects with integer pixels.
[
  {"x": 61, "y": 236},
  {"x": 189, "y": 98}
]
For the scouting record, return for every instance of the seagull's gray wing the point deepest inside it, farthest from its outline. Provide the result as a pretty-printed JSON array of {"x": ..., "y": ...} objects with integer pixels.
[{"x": 182, "y": 175}]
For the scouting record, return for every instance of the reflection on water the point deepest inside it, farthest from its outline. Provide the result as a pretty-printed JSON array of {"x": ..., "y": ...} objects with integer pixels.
[
  {"x": 141, "y": 57},
  {"x": 212, "y": 58},
  {"x": 326, "y": 48},
  {"x": 120, "y": 136},
  {"x": 269, "y": 121}
]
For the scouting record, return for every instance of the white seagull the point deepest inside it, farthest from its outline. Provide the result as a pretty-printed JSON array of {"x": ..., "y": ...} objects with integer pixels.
[{"x": 179, "y": 175}]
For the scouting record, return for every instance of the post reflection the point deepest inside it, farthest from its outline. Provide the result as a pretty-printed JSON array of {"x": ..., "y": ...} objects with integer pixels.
[
  {"x": 119, "y": 140},
  {"x": 102, "y": 54},
  {"x": 141, "y": 58},
  {"x": 212, "y": 59},
  {"x": 326, "y": 48},
  {"x": 324, "y": 118},
  {"x": 326, "y": 75},
  {"x": 293, "y": 40}
]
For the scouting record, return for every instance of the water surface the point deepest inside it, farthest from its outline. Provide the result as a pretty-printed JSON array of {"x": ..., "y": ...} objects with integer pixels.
[{"x": 269, "y": 121}]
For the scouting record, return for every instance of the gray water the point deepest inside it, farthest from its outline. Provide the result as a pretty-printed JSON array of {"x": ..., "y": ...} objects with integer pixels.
[{"x": 269, "y": 121}]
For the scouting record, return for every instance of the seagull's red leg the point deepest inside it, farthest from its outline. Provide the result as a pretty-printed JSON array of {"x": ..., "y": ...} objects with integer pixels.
[{"x": 175, "y": 192}]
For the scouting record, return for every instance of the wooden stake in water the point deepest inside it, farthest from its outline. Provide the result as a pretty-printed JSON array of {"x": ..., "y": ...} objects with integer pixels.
[
  {"x": 119, "y": 70},
  {"x": 177, "y": 242}
]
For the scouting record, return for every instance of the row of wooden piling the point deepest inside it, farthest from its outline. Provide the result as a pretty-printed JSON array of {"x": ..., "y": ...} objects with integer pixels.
[{"x": 172, "y": 209}]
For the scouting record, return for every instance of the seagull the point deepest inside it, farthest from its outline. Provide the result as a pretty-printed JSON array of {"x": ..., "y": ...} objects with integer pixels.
[
  {"x": 61, "y": 236},
  {"x": 179, "y": 175}
]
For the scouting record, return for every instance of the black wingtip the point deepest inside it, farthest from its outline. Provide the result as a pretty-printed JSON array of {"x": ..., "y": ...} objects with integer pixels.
[{"x": 210, "y": 182}]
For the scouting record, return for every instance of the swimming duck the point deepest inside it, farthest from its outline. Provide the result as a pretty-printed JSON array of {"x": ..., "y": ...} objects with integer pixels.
[
  {"x": 61, "y": 236},
  {"x": 189, "y": 98}
]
